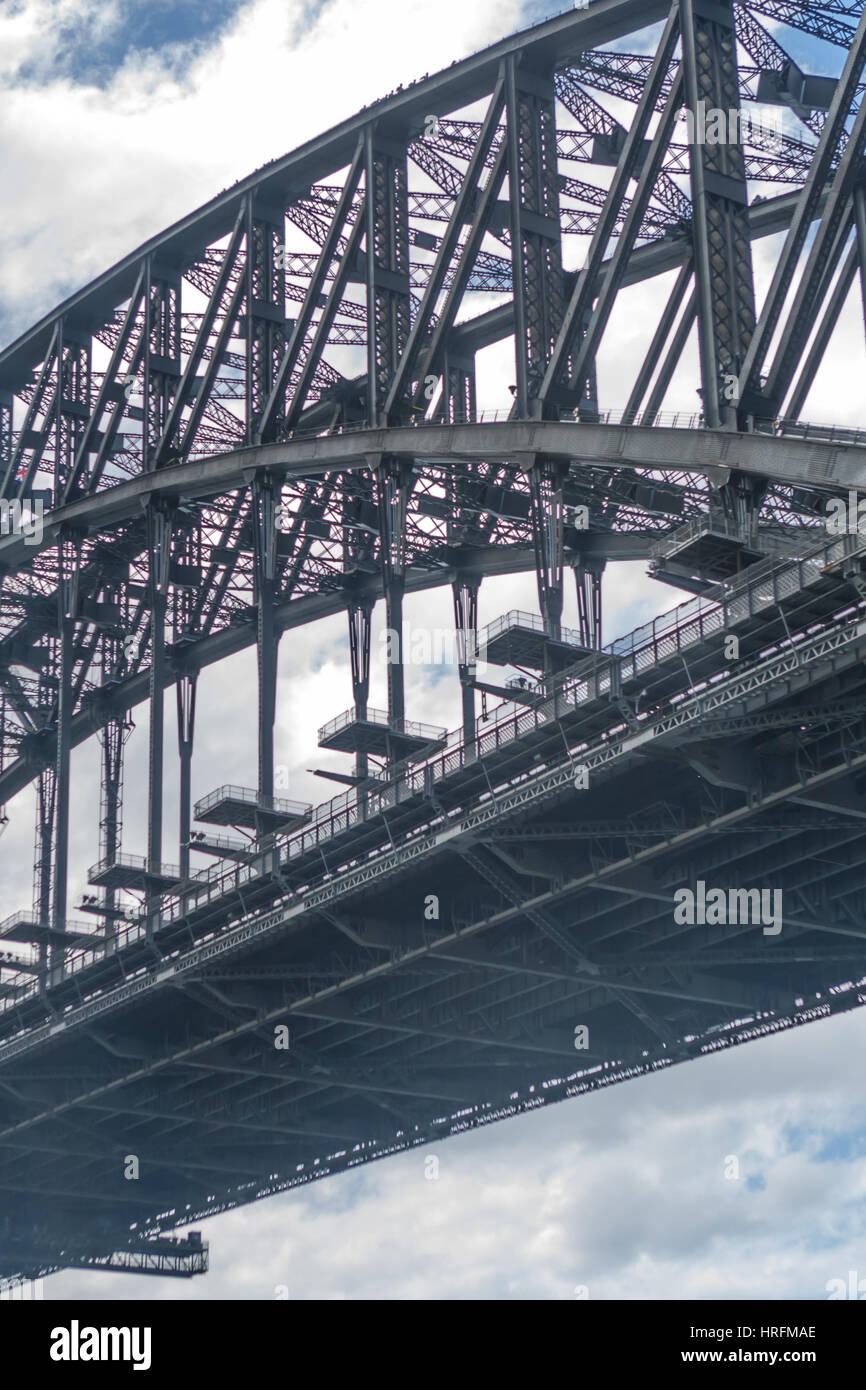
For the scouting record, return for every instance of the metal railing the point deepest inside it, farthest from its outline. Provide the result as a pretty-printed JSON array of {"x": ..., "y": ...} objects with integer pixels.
[
  {"x": 848, "y": 435},
  {"x": 516, "y": 617},
  {"x": 431, "y": 733},
  {"x": 701, "y": 525},
  {"x": 592, "y": 678},
  {"x": 817, "y": 546},
  {"x": 17, "y": 919},
  {"x": 220, "y": 842},
  {"x": 249, "y": 797},
  {"x": 138, "y": 862},
  {"x": 643, "y": 419}
]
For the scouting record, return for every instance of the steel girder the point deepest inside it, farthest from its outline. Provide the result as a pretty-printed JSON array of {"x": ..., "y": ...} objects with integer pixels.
[
  {"x": 726, "y": 297},
  {"x": 767, "y": 397},
  {"x": 443, "y": 996},
  {"x": 308, "y": 442},
  {"x": 679, "y": 460}
]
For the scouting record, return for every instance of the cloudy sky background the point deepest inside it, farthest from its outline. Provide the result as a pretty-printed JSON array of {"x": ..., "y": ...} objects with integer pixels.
[{"x": 115, "y": 120}]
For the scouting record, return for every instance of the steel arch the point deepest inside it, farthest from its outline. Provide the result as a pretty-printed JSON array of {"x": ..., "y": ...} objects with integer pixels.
[{"x": 268, "y": 414}]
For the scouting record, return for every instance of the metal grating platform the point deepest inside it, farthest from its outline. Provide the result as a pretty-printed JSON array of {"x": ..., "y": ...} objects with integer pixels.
[
  {"x": 373, "y": 734},
  {"x": 24, "y": 927},
  {"x": 131, "y": 871},
  {"x": 710, "y": 549},
  {"x": 223, "y": 847},
  {"x": 242, "y": 807},
  {"x": 519, "y": 639},
  {"x": 234, "y": 496}
]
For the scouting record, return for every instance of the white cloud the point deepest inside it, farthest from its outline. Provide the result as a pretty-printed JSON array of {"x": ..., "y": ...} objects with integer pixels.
[
  {"x": 95, "y": 172},
  {"x": 623, "y": 1191}
]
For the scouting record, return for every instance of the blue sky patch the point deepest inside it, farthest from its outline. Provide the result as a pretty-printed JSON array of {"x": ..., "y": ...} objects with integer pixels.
[{"x": 92, "y": 49}]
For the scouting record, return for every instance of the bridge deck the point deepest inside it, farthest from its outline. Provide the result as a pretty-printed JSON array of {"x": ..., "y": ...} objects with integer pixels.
[
  {"x": 677, "y": 654},
  {"x": 419, "y": 955}
]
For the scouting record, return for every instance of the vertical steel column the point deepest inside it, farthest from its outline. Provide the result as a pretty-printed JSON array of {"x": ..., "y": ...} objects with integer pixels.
[
  {"x": 539, "y": 285},
  {"x": 186, "y": 688},
  {"x": 394, "y": 479},
  {"x": 860, "y": 235},
  {"x": 387, "y": 266},
  {"x": 112, "y": 737},
  {"x": 457, "y": 405},
  {"x": 266, "y": 308},
  {"x": 465, "y": 593},
  {"x": 264, "y": 519},
  {"x": 159, "y": 548},
  {"x": 73, "y": 401},
  {"x": 587, "y": 578},
  {"x": 6, "y": 403},
  {"x": 43, "y": 858},
  {"x": 186, "y": 575},
  {"x": 69, "y": 563},
  {"x": 545, "y": 481},
  {"x": 162, "y": 359},
  {"x": 723, "y": 256},
  {"x": 359, "y": 612}
]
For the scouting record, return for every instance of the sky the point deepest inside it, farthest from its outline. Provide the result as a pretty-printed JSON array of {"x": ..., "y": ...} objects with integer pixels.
[{"x": 115, "y": 120}]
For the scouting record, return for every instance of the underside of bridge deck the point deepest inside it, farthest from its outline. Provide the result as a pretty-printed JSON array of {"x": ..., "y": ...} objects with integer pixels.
[{"x": 630, "y": 853}]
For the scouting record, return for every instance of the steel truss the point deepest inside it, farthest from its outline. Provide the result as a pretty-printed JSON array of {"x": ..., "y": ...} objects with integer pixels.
[{"x": 269, "y": 414}]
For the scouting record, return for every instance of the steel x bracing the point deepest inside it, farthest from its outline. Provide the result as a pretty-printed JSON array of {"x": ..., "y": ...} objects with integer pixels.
[{"x": 269, "y": 414}]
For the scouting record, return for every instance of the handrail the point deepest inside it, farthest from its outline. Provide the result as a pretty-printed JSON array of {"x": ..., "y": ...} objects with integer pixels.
[
  {"x": 589, "y": 678},
  {"x": 410, "y": 727},
  {"x": 593, "y": 672},
  {"x": 249, "y": 797},
  {"x": 518, "y": 617},
  {"x": 659, "y": 419},
  {"x": 134, "y": 861}
]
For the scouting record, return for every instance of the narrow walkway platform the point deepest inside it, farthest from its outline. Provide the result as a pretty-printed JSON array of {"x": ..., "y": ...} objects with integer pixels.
[
  {"x": 374, "y": 734},
  {"x": 709, "y": 548},
  {"x": 131, "y": 871},
  {"x": 519, "y": 639},
  {"x": 242, "y": 806}
]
